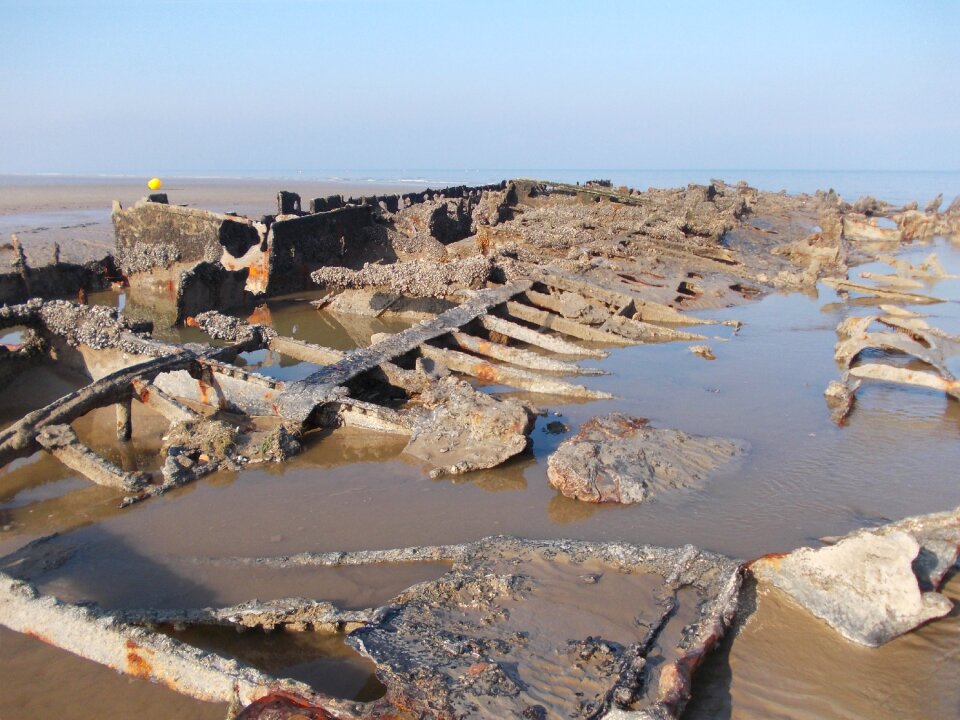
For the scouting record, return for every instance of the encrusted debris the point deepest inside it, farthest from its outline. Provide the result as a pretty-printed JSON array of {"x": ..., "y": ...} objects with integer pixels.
[
  {"x": 704, "y": 351},
  {"x": 618, "y": 458},
  {"x": 873, "y": 585},
  {"x": 416, "y": 278},
  {"x": 502, "y": 280},
  {"x": 513, "y": 631},
  {"x": 908, "y": 336},
  {"x": 465, "y": 430},
  {"x": 513, "y": 626}
]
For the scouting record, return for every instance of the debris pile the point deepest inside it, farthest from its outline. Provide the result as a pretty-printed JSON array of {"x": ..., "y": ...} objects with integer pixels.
[
  {"x": 622, "y": 459},
  {"x": 873, "y": 585}
]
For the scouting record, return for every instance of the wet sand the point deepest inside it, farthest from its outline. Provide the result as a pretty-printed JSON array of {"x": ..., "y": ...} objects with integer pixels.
[
  {"x": 75, "y": 212},
  {"x": 801, "y": 478}
]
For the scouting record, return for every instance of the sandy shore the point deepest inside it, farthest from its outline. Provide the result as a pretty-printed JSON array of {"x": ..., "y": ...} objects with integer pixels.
[{"x": 75, "y": 212}]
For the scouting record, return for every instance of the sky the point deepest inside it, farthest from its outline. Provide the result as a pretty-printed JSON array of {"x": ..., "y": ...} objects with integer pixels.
[{"x": 216, "y": 87}]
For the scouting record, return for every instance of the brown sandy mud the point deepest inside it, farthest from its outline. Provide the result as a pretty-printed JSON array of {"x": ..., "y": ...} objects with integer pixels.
[{"x": 254, "y": 407}]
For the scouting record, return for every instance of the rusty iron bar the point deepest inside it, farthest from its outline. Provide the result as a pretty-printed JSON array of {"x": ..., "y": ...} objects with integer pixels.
[
  {"x": 538, "y": 339},
  {"x": 514, "y": 377}
]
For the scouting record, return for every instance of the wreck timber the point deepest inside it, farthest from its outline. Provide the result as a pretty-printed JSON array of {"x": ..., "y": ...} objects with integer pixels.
[{"x": 438, "y": 246}]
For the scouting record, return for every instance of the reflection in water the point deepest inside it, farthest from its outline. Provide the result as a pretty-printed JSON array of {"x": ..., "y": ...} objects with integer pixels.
[
  {"x": 783, "y": 662},
  {"x": 40, "y": 681},
  {"x": 563, "y": 510},
  {"x": 319, "y": 659}
]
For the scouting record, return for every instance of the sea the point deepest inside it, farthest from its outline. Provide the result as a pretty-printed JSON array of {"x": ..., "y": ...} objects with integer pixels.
[{"x": 894, "y": 186}]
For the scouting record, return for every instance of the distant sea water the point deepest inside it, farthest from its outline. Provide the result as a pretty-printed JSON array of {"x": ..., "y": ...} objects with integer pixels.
[
  {"x": 896, "y": 187},
  {"x": 893, "y": 186}
]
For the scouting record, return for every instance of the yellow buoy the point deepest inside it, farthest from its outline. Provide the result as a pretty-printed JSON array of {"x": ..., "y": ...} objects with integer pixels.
[{"x": 154, "y": 184}]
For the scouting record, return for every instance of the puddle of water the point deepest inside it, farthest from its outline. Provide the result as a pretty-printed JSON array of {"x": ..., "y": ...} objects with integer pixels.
[
  {"x": 40, "y": 681},
  {"x": 321, "y": 660},
  {"x": 35, "y": 386},
  {"x": 787, "y": 664}
]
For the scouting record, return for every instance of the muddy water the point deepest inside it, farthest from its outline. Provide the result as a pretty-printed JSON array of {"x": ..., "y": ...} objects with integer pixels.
[
  {"x": 38, "y": 681},
  {"x": 801, "y": 478},
  {"x": 783, "y": 664},
  {"x": 319, "y": 659}
]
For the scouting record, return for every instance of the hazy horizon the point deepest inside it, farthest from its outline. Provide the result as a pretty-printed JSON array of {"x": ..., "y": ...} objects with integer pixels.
[{"x": 118, "y": 88}]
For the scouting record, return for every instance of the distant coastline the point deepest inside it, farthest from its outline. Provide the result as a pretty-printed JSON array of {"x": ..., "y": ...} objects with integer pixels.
[{"x": 896, "y": 186}]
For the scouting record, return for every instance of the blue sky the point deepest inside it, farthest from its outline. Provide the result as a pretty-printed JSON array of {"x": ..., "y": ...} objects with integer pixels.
[{"x": 133, "y": 87}]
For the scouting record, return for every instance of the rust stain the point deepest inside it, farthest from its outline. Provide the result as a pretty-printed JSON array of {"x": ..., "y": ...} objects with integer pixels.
[
  {"x": 485, "y": 372},
  {"x": 204, "y": 392},
  {"x": 772, "y": 559},
  {"x": 258, "y": 274},
  {"x": 37, "y": 636},
  {"x": 477, "y": 668},
  {"x": 136, "y": 665},
  {"x": 280, "y": 705},
  {"x": 261, "y": 314}
]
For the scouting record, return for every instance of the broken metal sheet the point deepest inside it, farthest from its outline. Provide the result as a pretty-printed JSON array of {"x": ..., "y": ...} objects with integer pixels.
[
  {"x": 618, "y": 458},
  {"x": 569, "y": 305},
  {"x": 872, "y": 585},
  {"x": 218, "y": 389},
  {"x": 369, "y": 416},
  {"x": 868, "y": 231},
  {"x": 617, "y": 297},
  {"x": 366, "y": 303},
  {"x": 172, "y": 409}
]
